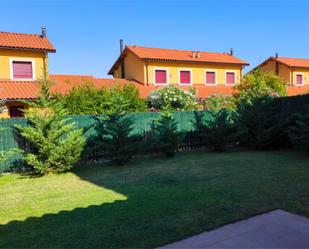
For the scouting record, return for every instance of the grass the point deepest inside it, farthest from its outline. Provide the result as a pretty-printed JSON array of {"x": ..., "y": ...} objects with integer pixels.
[{"x": 150, "y": 202}]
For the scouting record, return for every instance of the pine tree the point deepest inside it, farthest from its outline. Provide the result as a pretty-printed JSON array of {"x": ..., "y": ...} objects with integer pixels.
[
  {"x": 220, "y": 131},
  {"x": 167, "y": 135},
  {"x": 113, "y": 139},
  {"x": 299, "y": 133},
  {"x": 55, "y": 143}
]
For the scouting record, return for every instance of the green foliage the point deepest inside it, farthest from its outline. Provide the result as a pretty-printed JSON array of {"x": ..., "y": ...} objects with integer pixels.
[
  {"x": 219, "y": 131},
  {"x": 259, "y": 84},
  {"x": 299, "y": 133},
  {"x": 113, "y": 139},
  {"x": 55, "y": 142},
  {"x": 167, "y": 135},
  {"x": 117, "y": 99},
  {"x": 259, "y": 124},
  {"x": 172, "y": 98},
  {"x": 216, "y": 102}
]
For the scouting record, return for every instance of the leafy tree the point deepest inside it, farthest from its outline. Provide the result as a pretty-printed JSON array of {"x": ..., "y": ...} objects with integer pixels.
[
  {"x": 259, "y": 84},
  {"x": 55, "y": 142},
  {"x": 172, "y": 98},
  {"x": 167, "y": 135},
  {"x": 113, "y": 139},
  {"x": 219, "y": 131},
  {"x": 217, "y": 102},
  {"x": 299, "y": 133},
  {"x": 87, "y": 99},
  {"x": 260, "y": 125}
]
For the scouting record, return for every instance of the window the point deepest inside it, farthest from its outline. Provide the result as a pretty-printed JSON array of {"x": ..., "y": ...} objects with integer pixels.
[
  {"x": 22, "y": 70},
  {"x": 211, "y": 78},
  {"x": 185, "y": 77},
  {"x": 161, "y": 76},
  {"x": 230, "y": 78},
  {"x": 16, "y": 111},
  {"x": 299, "y": 79}
]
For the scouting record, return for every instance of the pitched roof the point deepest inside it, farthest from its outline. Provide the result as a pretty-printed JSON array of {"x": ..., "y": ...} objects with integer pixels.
[
  {"x": 292, "y": 62},
  {"x": 11, "y": 40},
  {"x": 26, "y": 90},
  {"x": 162, "y": 54}
]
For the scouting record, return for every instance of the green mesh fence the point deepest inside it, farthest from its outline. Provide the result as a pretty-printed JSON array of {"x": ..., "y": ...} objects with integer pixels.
[{"x": 142, "y": 125}]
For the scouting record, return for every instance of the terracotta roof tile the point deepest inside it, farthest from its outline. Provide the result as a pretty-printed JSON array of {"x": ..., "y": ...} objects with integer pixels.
[
  {"x": 11, "y": 40},
  {"x": 184, "y": 55},
  {"x": 292, "y": 62}
]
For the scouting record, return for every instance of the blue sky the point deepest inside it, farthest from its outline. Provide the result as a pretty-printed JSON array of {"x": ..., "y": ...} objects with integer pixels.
[{"x": 86, "y": 33}]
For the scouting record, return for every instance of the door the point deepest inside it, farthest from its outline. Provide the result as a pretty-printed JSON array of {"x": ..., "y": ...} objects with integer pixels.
[{"x": 16, "y": 111}]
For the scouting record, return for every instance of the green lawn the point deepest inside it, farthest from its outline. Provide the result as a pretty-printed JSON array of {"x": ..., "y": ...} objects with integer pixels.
[{"x": 150, "y": 202}]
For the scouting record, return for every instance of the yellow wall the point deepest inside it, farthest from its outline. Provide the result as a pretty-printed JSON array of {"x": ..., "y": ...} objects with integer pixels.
[
  {"x": 304, "y": 71},
  {"x": 287, "y": 74},
  {"x": 6, "y": 55},
  {"x": 138, "y": 70},
  {"x": 198, "y": 71},
  {"x": 6, "y": 113}
]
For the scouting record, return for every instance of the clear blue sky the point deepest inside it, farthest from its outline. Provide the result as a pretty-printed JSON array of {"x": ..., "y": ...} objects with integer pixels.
[{"x": 86, "y": 33}]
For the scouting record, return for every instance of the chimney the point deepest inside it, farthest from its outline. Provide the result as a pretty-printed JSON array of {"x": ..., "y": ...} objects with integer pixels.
[
  {"x": 277, "y": 55},
  {"x": 121, "y": 45},
  {"x": 43, "y": 29},
  {"x": 197, "y": 54},
  {"x": 231, "y": 51},
  {"x": 193, "y": 54}
]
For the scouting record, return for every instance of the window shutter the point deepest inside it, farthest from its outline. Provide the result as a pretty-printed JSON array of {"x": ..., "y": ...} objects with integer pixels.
[
  {"x": 230, "y": 78},
  {"x": 185, "y": 77},
  {"x": 22, "y": 70},
  {"x": 160, "y": 77},
  {"x": 299, "y": 79},
  {"x": 210, "y": 77}
]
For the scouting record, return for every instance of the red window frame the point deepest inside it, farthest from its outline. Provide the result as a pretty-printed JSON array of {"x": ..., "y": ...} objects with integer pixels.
[
  {"x": 160, "y": 78},
  {"x": 22, "y": 69},
  {"x": 301, "y": 78},
  {"x": 213, "y": 75},
  {"x": 185, "y": 77},
  {"x": 228, "y": 79}
]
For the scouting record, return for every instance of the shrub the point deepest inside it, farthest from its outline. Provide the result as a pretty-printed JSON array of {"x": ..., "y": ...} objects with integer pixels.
[
  {"x": 299, "y": 133},
  {"x": 172, "y": 98},
  {"x": 259, "y": 84},
  {"x": 87, "y": 99},
  {"x": 217, "y": 132},
  {"x": 56, "y": 143},
  {"x": 260, "y": 125},
  {"x": 113, "y": 139},
  {"x": 217, "y": 102},
  {"x": 167, "y": 135}
]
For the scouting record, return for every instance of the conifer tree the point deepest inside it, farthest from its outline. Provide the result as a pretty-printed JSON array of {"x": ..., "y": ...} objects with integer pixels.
[
  {"x": 299, "y": 133},
  {"x": 167, "y": 136},
  {"x": 55, "y": 143},
  {"x": 113, "y": 139}
]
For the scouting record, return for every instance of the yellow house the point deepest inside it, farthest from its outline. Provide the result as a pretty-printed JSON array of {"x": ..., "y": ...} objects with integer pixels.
[
  {"x": 23, "y": 58},
  {"x": 206, "y": 71},
  {"x": 293, "y": 71}
]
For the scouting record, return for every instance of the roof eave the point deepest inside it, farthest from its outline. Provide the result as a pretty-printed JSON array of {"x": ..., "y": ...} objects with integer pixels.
[
  {"x": 198, "y": 62},
  {"x": 29, "y": 49}
]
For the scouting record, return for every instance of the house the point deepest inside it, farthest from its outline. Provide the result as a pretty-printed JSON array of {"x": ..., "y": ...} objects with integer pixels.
[
  {"x": 24, "y": 61},
  {"x": 208, "y": 72},
  {"x": 293, "y": 71}
]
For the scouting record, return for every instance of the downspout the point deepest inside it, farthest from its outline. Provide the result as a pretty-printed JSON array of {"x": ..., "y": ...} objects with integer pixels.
[
  {"x": 147, "y": 75},
  {"x": 44, "y": 66}
]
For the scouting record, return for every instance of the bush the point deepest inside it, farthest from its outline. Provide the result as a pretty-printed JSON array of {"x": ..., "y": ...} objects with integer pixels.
[
  {"x": 260, "y": 125},
  {"x": 299, "y": 133},
  {"x": 259, "y": 84},
  {"x": 217, "y": 102},
  {"x": 117, "y": 99},
  {"x": 166, "y": 134},
  {"x": 113, "y": 139},
  {"x": 219, "y": 131},
  {"x": 172, "y": 98},
  {"x": 56, "y": 143}
]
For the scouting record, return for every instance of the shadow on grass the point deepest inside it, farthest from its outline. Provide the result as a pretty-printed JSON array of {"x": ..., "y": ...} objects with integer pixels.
[{"x": 119, "y": 224}]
